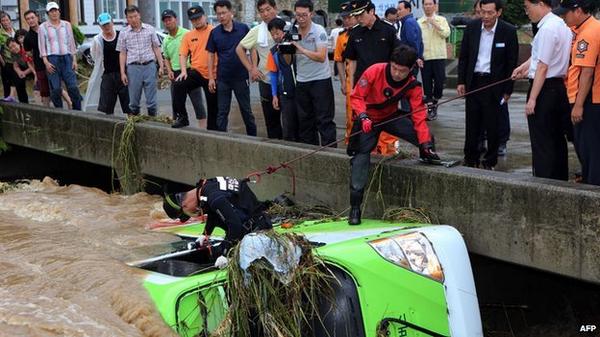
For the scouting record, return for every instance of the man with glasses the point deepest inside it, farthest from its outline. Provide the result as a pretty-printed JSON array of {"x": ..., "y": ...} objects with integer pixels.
[{"x": 314, "y": 90}]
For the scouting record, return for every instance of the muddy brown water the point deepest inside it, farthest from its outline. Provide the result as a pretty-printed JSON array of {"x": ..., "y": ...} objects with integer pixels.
[{"x": 62, "y": 270}]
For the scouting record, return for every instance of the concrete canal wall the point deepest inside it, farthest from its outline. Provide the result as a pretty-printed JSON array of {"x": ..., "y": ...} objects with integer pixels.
[{"x": 544, "y": 224}]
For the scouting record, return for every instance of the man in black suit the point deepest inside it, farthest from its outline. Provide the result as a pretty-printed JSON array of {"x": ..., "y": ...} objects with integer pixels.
[{"x": 489, "y": 53}]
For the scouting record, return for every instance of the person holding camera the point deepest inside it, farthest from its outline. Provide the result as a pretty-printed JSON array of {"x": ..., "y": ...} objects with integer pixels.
[
  {"x": 314, "y": 90},
  {"x": 281, "y": 64}
]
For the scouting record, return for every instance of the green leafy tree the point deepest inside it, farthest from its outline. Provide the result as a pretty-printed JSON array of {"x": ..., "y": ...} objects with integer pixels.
[
  {"x": 77, "y": 35},
  {"x": 514, "y": 12}
]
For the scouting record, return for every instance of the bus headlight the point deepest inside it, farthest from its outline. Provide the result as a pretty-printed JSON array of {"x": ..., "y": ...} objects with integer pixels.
[{"x": 412, "y": 251}]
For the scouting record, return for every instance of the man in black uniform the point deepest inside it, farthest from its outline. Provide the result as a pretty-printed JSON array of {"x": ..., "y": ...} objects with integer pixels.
[
  {"x": 228, "y": 204},
  {"x": 372, "y": 42}
]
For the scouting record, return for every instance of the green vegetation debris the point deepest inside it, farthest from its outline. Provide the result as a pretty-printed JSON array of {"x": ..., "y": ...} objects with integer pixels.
[
  {"x": 295, "y": 214},
  {"x": 260, "y": 301},
  {"x": 407, "y": 215},
  {"x": 126, "y": 162}
]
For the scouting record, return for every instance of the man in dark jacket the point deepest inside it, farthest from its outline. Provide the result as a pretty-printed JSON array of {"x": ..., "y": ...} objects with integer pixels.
[
  {"x": 228, "y": 204},
  {"x": 488, "y": 54},
  {"x": 410, "y": 32}
]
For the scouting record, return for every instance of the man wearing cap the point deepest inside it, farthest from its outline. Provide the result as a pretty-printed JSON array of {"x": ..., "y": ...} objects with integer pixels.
[
  {"x": 228, "y": 203},
  {"x": 258, "y": 39},
  {"x": 314, "y": 90},
  {"x": 170, "y": 47},
  {"x": 139, "y": 51},
  {"x": 547, "y": 107},
  {"x": 231, "y": 74},
  {"x": 372, "y": 42},
  {"x": 193, "y": 45},
  {"x": 349, "y": 22},
  {"x": 57, "y": 49},
  {"x": 106, "y": 64},
  {"x": 583, "y": 84}
]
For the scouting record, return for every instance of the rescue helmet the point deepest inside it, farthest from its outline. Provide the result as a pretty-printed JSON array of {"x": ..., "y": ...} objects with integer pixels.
[{"x": 173, "y": 206}]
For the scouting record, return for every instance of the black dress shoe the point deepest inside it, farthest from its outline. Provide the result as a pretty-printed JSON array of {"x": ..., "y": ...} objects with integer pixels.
[
  {"x": 502, "y": 151},
  {"x": 431, "y": 111},
  {"x": 354, "y": 216},
  {"x": 180, "y": 123},
  {"x": 481, "y": 147}
]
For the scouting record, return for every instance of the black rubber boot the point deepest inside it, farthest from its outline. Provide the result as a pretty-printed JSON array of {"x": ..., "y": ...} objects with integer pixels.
[
  {"x": 356, "y": 198},
  {"x": 354, "y": 216}
]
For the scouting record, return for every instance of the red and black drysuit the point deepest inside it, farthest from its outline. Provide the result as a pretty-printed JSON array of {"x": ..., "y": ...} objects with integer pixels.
[{"x": 375, "y": 99}]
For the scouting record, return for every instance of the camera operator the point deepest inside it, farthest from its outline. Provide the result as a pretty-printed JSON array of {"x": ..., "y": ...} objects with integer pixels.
[
  {"x": 281, "y": 64},
  {"x": 314, "y": 90}
]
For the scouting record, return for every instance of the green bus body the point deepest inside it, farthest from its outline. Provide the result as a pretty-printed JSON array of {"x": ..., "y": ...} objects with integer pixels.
[{"x": 384, "y": 289}]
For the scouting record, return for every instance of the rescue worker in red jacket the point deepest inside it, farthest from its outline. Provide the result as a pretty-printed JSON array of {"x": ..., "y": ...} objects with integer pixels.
[{"x": 374, "y": 100}]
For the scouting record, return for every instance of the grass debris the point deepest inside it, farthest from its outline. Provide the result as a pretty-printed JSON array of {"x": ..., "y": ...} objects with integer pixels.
[
  {"x": 126, "y": 162},
  {"x": 298, "y": 213},
  {"x": 262, "y": 305}
]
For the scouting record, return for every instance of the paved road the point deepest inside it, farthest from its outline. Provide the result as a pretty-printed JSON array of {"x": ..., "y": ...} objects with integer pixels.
[{"x": 448, "y": 128}]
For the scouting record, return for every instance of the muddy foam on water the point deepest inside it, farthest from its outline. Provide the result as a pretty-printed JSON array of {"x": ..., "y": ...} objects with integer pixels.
[{"x": 62, "y": 270}]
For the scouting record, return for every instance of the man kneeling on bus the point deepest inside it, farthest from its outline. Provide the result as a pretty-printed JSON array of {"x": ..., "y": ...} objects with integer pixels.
[{"x": 228, "y": 204}]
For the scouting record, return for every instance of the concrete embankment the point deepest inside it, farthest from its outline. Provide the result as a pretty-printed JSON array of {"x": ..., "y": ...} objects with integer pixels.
[{"x": 544, "y": 224}]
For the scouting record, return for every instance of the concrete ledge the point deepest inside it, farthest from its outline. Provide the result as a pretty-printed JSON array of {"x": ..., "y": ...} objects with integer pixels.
[{"x": 544, "y": 224}]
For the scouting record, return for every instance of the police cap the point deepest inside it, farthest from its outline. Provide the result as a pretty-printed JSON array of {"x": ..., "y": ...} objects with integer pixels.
[
  {"x": 195, "y": 12},
  {"x": 359, "y": 6}
]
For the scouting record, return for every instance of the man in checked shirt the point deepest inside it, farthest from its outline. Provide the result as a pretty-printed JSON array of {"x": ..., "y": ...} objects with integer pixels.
[{"x": 140, "y": 49}]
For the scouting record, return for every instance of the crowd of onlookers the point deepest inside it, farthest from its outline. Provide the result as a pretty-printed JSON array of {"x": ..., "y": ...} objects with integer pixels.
[{"x": 290, "y": 62}]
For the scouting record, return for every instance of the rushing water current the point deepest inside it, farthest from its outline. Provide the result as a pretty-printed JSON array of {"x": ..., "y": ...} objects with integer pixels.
[{"x": 62, "y": 254}]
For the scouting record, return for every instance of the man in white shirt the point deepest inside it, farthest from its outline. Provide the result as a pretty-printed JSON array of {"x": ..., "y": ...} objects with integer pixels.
[
  {"x": 488, "y": 54},
  {"x": 547, "y": 108}
]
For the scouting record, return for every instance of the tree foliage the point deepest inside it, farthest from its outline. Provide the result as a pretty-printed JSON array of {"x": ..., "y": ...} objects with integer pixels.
[{"x": 515, "y": 13}]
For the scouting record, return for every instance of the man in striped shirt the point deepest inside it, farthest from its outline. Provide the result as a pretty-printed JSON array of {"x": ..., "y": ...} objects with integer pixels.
[{"x": 57, "y": 49}]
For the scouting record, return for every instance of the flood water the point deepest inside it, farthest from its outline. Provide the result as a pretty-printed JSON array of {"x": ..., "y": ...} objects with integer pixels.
[{"x": 62, "y": 250}]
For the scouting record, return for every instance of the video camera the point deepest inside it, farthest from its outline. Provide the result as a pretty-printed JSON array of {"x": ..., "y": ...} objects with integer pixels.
[{"x": 291, "y": 35}]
